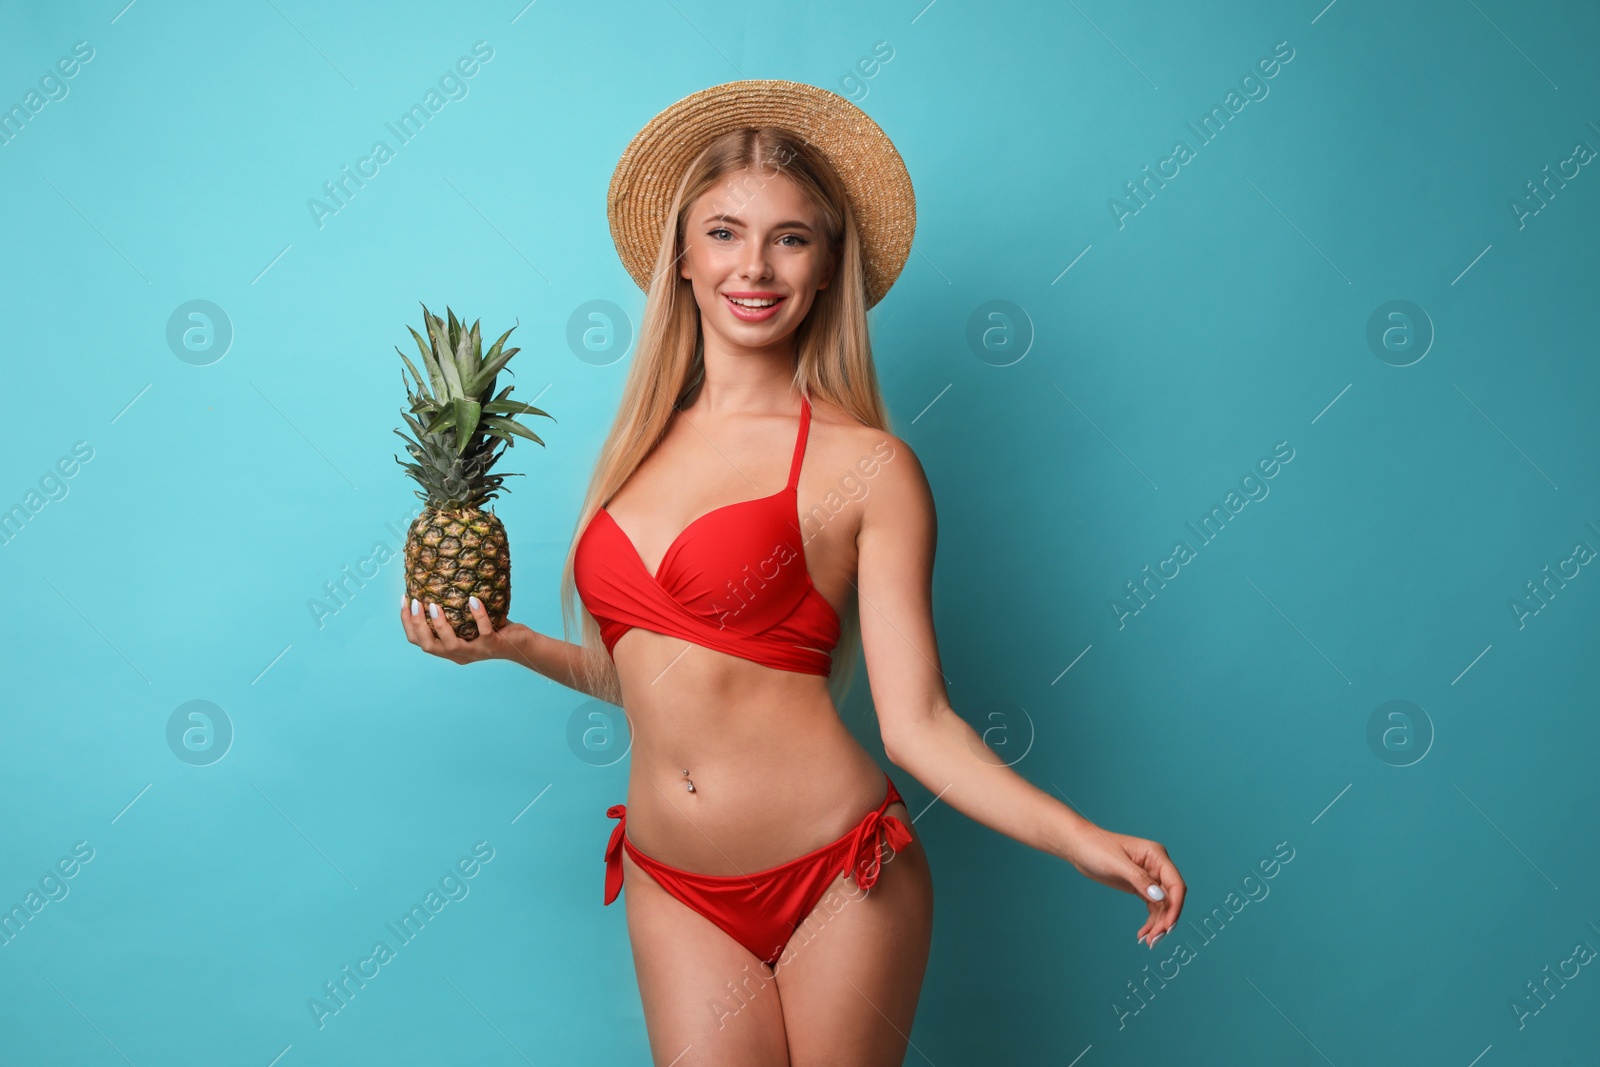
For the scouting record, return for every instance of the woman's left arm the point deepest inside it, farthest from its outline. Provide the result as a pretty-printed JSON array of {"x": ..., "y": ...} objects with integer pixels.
[{"x": 924, "y": 735}]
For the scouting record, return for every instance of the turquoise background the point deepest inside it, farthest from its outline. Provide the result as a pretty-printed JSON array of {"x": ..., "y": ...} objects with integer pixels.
[{"x": 1440, "y": 860}]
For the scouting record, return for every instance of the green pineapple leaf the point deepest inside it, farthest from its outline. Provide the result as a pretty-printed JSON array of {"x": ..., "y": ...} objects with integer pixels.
[
  {"x": 466, "y": 365},
  {"x": 412, "y": 367},
  {"x": 446, "y": 361},
  {"x": 483, "y": 381},
  {"x": 511, "y": 427},
  {"x": 453, "y": 334},
  {"x": 461, "y": 425},
  {"x": 435, "y": 379},
  {"x": 466, "y": 415},
  {"x": 512, "y": 407},
  {"x": 445, "y": 419}
]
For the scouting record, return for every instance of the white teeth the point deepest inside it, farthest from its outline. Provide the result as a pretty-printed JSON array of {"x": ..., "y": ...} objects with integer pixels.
[{"x": 751, "y": 303}]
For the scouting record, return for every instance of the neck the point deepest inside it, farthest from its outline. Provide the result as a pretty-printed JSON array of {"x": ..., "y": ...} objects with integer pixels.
[{"x": 748, "y": 381}]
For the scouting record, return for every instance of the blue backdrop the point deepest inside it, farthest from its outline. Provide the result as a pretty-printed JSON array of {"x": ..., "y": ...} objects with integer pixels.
[{"x": 1245, "y": 350}]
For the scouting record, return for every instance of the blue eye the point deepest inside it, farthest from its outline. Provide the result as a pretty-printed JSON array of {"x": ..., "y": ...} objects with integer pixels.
[{"x": 802, "y": 242}]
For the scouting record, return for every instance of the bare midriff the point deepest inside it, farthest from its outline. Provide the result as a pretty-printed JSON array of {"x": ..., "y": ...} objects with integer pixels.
[{"x": 776, "y": 773}]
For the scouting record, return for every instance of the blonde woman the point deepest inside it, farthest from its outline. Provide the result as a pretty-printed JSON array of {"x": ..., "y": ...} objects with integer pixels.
[{"x": 749, "y": 517}]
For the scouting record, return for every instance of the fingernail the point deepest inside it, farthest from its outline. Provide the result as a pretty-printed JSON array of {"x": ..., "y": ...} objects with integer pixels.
[
  {"x": 1156, "y": 938},
  {"x": 474, "y": 602},
  {"x": 414, "y": 606},
  {"x": 433, "y": 609},
  {"x": 1155, "y": 893}
]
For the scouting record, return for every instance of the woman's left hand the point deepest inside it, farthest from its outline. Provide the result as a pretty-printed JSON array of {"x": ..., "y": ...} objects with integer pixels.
[{"x": 1133, "y": 865}]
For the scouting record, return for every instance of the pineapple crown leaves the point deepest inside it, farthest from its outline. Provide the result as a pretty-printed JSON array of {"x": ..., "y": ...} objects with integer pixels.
[{"x": 455, "y": 414}]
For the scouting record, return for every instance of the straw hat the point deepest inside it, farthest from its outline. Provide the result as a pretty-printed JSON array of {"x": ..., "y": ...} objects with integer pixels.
[{"x": 873, "y": 173}]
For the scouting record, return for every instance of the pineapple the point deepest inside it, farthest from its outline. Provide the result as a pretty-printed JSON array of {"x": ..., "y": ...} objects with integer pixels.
[{"x": 455, "y": 549}]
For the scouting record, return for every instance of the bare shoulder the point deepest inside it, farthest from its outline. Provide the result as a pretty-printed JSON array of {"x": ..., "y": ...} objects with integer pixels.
[{"x": 863, "y": 454}]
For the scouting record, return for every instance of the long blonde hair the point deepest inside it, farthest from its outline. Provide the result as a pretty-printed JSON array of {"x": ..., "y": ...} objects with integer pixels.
[{"x": 834, "y": 354}]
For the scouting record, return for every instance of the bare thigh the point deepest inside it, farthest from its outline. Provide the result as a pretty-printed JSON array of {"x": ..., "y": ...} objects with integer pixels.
[
  {"x": 708, "y": 1002},
  {"x": 851, "y": 976}
]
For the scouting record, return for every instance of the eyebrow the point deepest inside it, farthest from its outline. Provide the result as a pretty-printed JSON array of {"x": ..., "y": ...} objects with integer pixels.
[{"x": 787, "y": 224}]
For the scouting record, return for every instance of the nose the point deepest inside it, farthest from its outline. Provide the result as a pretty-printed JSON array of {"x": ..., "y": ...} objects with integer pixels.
[{"x": 753, "y": 261}]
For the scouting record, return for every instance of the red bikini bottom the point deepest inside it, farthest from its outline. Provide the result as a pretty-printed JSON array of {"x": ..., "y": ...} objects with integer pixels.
[{"x": 763, "y": 910}]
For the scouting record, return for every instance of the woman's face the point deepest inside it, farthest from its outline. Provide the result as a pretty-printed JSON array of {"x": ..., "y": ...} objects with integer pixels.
[{"x": 754, "y": 240}]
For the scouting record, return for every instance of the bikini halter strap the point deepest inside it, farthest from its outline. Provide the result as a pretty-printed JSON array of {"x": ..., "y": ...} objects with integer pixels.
[{"x": 800, "y": 442}]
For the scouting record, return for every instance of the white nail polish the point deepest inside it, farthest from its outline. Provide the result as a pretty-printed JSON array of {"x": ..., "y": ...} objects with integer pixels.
[
  {"x": 415, "y": 607},
  {"x": 474, "y": 601},
  {"x": 1155, "y": 893},
  {"x": 433, "y": 609}
]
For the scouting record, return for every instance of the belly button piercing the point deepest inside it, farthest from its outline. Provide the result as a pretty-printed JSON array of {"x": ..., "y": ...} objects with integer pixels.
[{"x": 687, "y": 784}]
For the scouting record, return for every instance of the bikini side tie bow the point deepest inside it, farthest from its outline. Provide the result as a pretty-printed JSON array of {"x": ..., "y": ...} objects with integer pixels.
[{"x": 866, "y": 855}]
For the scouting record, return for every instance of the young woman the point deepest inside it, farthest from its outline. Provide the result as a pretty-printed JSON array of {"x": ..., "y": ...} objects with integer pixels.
[{"x": 749, "y": 514}]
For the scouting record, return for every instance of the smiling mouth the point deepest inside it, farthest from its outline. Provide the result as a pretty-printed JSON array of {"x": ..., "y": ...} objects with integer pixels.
[{"x": 754, "y": 309}]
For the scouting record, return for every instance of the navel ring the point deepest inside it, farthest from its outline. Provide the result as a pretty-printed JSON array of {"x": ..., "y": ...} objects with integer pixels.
[{"x": 687, "y": 784}]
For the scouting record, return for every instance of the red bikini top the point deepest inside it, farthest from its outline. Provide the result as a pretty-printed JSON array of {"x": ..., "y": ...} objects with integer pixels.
[{"x": 734, "y": 580}]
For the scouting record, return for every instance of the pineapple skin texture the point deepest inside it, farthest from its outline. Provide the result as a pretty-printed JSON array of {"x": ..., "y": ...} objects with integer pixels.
[{"x": 453, "y": 555}]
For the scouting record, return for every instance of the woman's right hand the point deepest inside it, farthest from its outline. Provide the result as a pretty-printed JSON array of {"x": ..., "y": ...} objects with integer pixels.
[{"x": 430, "y": 630}]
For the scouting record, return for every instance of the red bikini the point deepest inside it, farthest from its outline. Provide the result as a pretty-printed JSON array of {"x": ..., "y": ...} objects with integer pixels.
[
  {"x": 734, "y": 580},
  {"x": 763, "y": 909}
]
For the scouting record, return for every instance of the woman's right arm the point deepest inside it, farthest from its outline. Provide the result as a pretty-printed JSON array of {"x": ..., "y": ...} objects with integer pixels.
[{"x": 558, "y": 660}]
